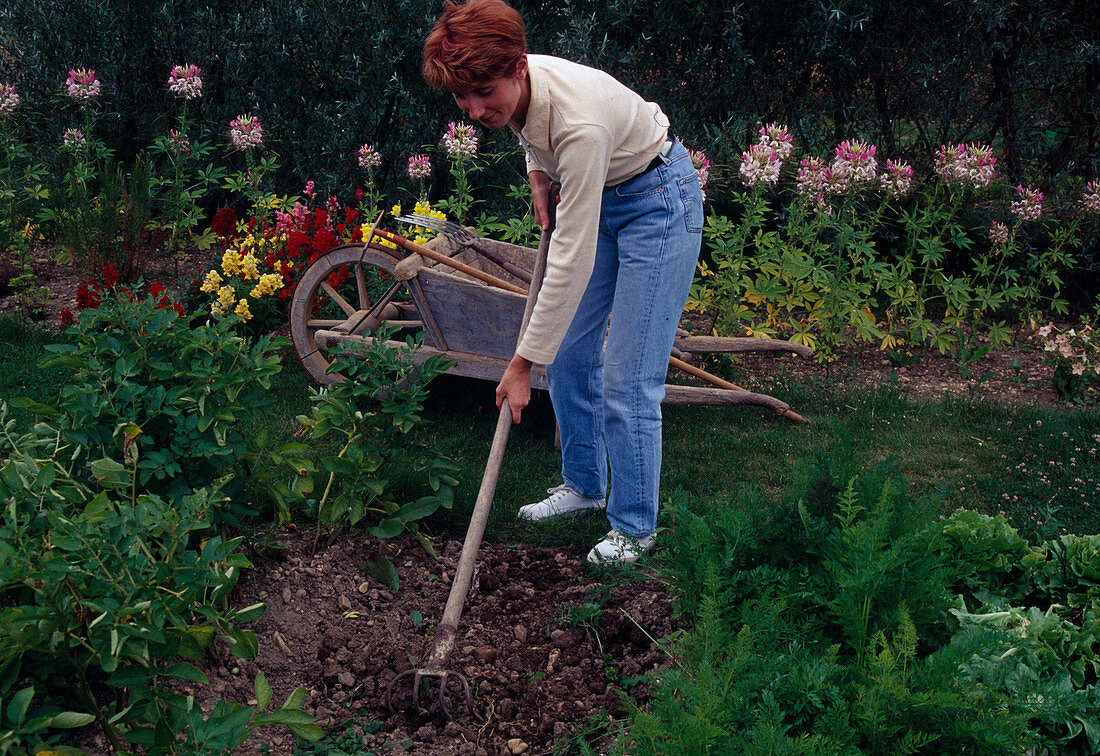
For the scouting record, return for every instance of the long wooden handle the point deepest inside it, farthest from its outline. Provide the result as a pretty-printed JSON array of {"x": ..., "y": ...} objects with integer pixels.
[
  {"x": 445, "y": 633},
  {"x": 481, "y": 275}
]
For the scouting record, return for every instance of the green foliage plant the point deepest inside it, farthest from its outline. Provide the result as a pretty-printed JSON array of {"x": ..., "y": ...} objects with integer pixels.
[
  {"x": 174, "y": 397},
  {"x": 26, "y": 730},
  {"x": 825, "y": 623},
  {"x": 183, "y": 178},
  {"x": 360, "y": 430},
  {"x": 23, "y": 189},
  {"x": 118, "y": 591}
]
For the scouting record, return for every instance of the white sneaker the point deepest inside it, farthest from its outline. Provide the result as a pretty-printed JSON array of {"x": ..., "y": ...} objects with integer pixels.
[
  {"x": 618, "y": 548},
  {"x": 563, "y": 501}
]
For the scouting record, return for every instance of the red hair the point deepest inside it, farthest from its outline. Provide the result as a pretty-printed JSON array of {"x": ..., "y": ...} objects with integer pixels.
[{"x": 472, "y": 43}]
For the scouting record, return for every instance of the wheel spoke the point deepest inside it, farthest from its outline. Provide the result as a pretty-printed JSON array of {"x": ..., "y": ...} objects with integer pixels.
[
  {"x": 324, "y": 323},
  {"x": 361, "y": 286},
  {"x": 339, "y": 300}
]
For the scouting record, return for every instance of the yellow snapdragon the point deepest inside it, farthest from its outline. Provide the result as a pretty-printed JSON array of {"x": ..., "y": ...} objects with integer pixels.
[
  {"x": 249, "y": 267},
  {"x": 226, "y": 297},
  {"x": 242, "y": 310},
  {"x": 212, "y": 282},
  {"x": 269, "y": 284},
  {"x": 231, "y": 262}
]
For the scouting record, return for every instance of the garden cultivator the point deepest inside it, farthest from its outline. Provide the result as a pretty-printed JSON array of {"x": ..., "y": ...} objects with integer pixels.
[{"x": 444, "y": 638}]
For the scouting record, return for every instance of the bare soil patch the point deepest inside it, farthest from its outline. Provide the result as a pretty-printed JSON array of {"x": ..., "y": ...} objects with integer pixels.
[{"x": 537, "y": 675}]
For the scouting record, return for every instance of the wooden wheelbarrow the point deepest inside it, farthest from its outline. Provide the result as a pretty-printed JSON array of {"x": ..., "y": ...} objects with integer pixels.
[{"x": 470, "y": 306}]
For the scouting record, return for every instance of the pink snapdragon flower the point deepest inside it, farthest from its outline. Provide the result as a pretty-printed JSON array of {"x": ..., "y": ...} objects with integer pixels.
[
  {"x": 284, "y": 222},
  {"x": 972, "y": 164},
  {"x": 419, "y": 167},
  {"x": 778, "y": 138},
  {"x": 1030, "y": 205},
  {"x": 1090, "y": 201},
  {"x": 760, "y": 164},
  {"x": 855, "y": 162},
  {"x": 73, "y": 139},
  {"x": 178, "y": 143},
  {"x": 369, "y": 159},
  {"x": 9, "y": 99},
  {"x": 185, "y": 81},
  {"x": 898, "y": 178},
  {"x": 998, "y": 233},
  {"x": 246, "y": 132},
  {"x": 82, "y": 85},
  {"x": 308, "y": 190},
  {"x": 460, "y": 141}
]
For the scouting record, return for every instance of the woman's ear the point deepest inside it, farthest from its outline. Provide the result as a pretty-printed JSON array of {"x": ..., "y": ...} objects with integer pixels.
[{"x": 521, "y": 68}]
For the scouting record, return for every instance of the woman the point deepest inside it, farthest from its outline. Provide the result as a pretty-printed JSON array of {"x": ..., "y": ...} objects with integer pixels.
[{"x": 623, "y": 254}]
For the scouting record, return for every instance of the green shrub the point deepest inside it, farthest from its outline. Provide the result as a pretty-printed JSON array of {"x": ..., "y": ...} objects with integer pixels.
[
  {"x": 104, "y": 592},
  {"x": 360, "y": 427},
  {"x": 844, "y": 638},
  {"x": 145, "y": 383}
]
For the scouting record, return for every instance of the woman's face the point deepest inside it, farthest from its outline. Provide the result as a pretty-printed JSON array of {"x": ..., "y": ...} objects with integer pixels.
[{"x": 497, "y": 102}]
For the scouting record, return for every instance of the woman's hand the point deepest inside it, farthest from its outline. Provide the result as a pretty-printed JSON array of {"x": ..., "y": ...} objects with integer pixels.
[
  {"x": 515, "y": 386},
  {"x": 540, "y": 197}
]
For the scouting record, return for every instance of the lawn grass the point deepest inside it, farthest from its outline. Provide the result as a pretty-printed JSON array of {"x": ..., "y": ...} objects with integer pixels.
[
  {"x": 22, "y": 347},
  {"x": 1038, "y": 465}
]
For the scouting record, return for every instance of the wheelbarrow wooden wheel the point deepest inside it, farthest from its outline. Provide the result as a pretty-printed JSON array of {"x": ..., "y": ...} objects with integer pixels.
[{"x": 349, "y": 290}]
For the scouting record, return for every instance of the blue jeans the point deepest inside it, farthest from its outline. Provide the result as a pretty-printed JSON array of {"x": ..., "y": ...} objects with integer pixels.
[{"x": 607, "y": 394}]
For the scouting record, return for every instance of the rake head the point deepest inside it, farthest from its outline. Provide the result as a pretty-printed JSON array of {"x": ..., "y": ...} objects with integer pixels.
[
  {"x": 448, "y": 228},
  {"x": 420, "y": 680}
]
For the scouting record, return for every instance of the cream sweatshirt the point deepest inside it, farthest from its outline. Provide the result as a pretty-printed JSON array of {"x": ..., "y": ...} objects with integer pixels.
[{"x": 587, "y": 131}]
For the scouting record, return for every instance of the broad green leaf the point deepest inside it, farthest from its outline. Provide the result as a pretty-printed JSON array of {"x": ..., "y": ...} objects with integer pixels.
[
  {"x": 188, "y": 672},
  {"x": 384, "y": 571},
  {"x": 263, "y": 692},
  {"x": 296, "y": 699},
  {"x": 71, "y": 719}
]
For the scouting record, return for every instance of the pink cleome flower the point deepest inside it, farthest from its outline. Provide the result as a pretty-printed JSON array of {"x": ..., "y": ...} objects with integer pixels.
[
  {"x": 816, "y": 182},
  {"x": 246, "y": 132},
  {"x": 760, "y": 164},
  {"x": 178, "y": 143},
  {"x": 1030, "y": 205},
  {"x": 998, "y": 233},
  {"x": 855, "y": 162},
  {"x": 369, "y": 159},
  {"x": 419, "y": 167},
  {"x": 73, "y": 139},
  {"x": 701, "y": 162},
  {"x": 185, "y": 81},
  {"x": 972, "y": 164},
  {"x": 9, "y": 99},
  {"x": 898, "y": 178},
  {"x": 778, "y": 138},
  {"x": 82, "y": 85},
  {"x": 460, "y": 141}
]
